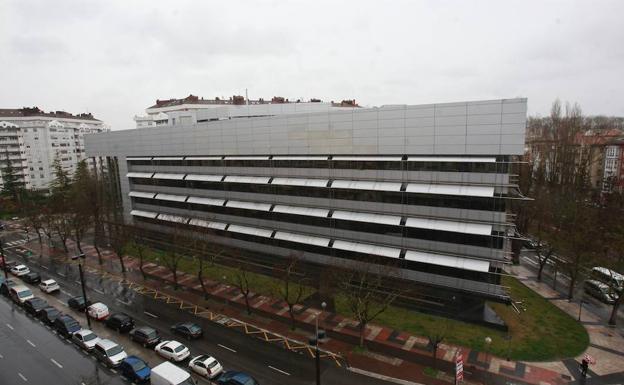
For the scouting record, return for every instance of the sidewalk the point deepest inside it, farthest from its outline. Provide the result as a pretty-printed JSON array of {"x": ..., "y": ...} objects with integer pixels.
[
  {"x": 606, "y": 342},
  {"x": 390, "y": 352}
]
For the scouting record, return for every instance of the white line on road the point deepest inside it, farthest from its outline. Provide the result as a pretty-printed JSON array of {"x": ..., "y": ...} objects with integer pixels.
[
  {"x": 31, "y": 344},
  {"x": 61, "y": 274},
  {"x": 56, "y": 363},
  {"x": 10, "y": 327},
  {"x": 127, "y": 303},
  {"x": 61, "y": 302},
  {"x": 226, "y": 348},
  {"x": 77, "y": 281},
  {"x": 279, "y": 371},
  {"x": 22, "y": 377},
  {"x": 45, "y": 267},
  {"x": 98, "y": 291},
  {"x": 150, "y": 314},
  {"x": 66, "y": 293},
  {"x": 1, "y": 356}
]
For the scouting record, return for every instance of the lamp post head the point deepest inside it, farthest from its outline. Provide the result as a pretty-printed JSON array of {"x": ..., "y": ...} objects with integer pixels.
[
  {"x": 488, "y": 341},
  {"x": 323, "y": 305}
]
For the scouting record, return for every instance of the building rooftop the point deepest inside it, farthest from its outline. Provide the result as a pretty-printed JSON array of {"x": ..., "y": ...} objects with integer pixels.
[
  {"x": 36, "y": 111},
  {"x": 240, "y": 100}
]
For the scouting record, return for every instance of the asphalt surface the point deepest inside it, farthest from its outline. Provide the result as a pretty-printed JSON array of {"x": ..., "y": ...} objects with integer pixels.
[
  {"x": 30, "y": 353},
  {"x": 269, "y": 364}
]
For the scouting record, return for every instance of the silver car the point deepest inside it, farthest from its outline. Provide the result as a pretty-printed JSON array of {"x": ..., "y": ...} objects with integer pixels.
[{"x": 85, "y": 338}]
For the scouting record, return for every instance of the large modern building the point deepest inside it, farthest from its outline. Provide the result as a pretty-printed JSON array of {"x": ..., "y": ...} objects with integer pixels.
[
  {"x": 33, "y": 139},
  {"x": 425, "y": 187}
]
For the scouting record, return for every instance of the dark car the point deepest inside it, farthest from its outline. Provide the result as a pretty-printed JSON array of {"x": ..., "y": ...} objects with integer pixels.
[
  {"x": 32, "y": 278},
  {"x": 6, "y": 285},
  {"x": 49, "y": 315},
  {"x": 35, "y": 305},
  {"x": 188, "y": 330},
  {"x": 121, "y": 322},
  {"x": 66, "y": 325},
  {"x": 135, "y": 369},
  {"x": 78, "y": 303},
  {"x": 145, "y": 335},
  {"x": 236, "y": 378},
  {"x": 1, "y": 226}
]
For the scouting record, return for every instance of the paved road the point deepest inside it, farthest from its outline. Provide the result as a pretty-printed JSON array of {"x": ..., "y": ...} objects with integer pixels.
[
  {"x": 32, "y": 354},
  {"x": 591, "y": 304},
  {"x": 270, "y": 364}
]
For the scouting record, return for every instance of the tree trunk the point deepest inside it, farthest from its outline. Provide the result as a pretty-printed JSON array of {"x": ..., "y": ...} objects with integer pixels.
[
  {"x": 78, "y": 239},
  {"x": 200, "y": 277},
  {"x": 121, "y": 262},
  {"x": 141, "y": 262},
  {"x": 40, "y": 245},
  {"x": 571, "y": 287},
  {"x": 96, "y": 239},
  {"x": 175, "y": 278},
  {"x": 247, "y": 303},
  {"x": 540, "y": 270},
  {"x": 435, "y": 357},
  {"x": 362, "y": 330},
  {"x": 64, "y": 240},
  {"x": 614, "y": 311},
  {"x": 291, "y": 311}
]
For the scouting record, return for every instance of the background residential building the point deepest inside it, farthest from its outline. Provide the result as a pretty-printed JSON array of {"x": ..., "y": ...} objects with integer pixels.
[
  {"x": 34, "y": 138},
  {"x": 425, "y": 187}
]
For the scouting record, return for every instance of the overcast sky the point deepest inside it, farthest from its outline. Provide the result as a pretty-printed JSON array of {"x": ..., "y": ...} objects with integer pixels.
[{"x": 115, "y": 58}]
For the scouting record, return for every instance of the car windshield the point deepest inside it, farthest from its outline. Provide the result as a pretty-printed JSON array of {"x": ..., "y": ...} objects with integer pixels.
[
  {"x": 114, "y": 350},
  {"x": 138, "y": 365},
  {"x": 53, "y": 312},
  {"x": 194, "y": 328},
  {"x": 89, "y": 337},
  {"x": 72, "y": 325},
  {"x": 151, "y": 334},
  {"x": 188, "y": 381},
  {"x": 25, "y": 293},
  {"x": 212, "y": 364},
  {"x": 179, "y": 349}
]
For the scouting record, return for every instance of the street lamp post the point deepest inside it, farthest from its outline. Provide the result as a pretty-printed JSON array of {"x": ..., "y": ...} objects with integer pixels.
[
  {"x": 488, "y": 341},
  {"x": 317, "y": 355},
  {"x": 4, "y": 265},
  {"x": 225, "y": 299},
  {"x": 84, "y": 292},
  {"x": 580, "y": 308}
]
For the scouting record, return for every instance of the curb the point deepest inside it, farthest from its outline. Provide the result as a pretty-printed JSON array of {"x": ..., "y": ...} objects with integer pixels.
[{"x": 381, "y": 376}]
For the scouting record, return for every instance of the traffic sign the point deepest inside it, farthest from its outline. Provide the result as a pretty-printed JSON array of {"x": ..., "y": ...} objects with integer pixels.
[{"x": 459, "y": 366}]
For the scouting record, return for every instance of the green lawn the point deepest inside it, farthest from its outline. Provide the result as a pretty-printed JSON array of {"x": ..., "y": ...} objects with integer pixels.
[{"x": 542, "y": 333}]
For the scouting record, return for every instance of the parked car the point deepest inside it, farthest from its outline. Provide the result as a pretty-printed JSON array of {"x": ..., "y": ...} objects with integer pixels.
[
  {"x": 66, "y": 325},
  {"x": 145, "y": 335},
  {"x": 611, "y": 278},
  {"x": 49, "y": 314},
  {"x": 32, "y": 278},
  {"x": 236, "y": 378},
  {"x": 98, "y": 311},
  {"x": 172, "y": 350},
  {"x": 6, "y": 285},
  {"x": 9, "y": 264},
  {"x": 600, "y": 291},
  {"x": 188, "y": 330},
  {"x": 121, "y": 322},
  {"x": 135, "y": 369},
  {"x": 49, "y": 286},
  {"x": 20, "y": 270},
  {"x": 20, "y": 293},
  {"x": 1, "y": 226},
  {"x": 78, "y": 303},
  {"x": 169, "y": 374},
  {"x": 109, "y": 352},
  {"x": 85, "y": 338},
  {"x": 35, "y": 305},
  {"x": 206, "y": 366}
]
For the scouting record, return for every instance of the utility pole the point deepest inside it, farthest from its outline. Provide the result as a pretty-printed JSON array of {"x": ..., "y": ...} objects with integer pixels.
[
  {"x": 317, "y": 355},
  {"x": 84, "y": 292}
]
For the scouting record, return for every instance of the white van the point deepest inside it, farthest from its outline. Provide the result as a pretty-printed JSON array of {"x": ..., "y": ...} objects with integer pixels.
[
  {"x": 169, "y": 374},
  {"x": 21, "y": 294},
  {"x": 98, "y": 311}
]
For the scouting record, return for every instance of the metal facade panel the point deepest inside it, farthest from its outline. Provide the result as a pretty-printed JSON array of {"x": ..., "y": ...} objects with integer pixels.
[{"x": 448, "y": 260}]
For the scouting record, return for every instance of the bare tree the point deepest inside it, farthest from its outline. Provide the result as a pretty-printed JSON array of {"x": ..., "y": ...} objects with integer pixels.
[
  {"x": 366, "y": 294},
  {"x": 62, "y": 226},
  {"x": 172, "y": 257},
  {"x": 119, "y": 238},
  {"x": 138, "y": 246},
  {"x": 241, "y": 280},
  {"x": 292, "y": 285}
]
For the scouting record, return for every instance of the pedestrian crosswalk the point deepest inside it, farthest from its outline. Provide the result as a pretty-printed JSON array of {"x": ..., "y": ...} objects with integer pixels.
[{"x": 15, "y": 243}]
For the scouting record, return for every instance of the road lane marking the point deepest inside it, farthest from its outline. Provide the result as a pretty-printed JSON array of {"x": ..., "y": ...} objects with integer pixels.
[
  {"x": 150, "y": 314},
  {"x": 45, "y": 267},
  {"x": 62, "y": 275},
  {"x": 31, "y": 344},
  {"x": 279, "y": 371},
  {"x": 56, "y": 363},
  {"x": 98, "y": 291},
  {"x": 10, "y": 327},
  {"x": 127, "y": 303},
  {"x": 61, "y": 302},
  {"x": 66, "y": 293},
  {"x": 226, "y": 348},
  {"x": 22, "y": 377},
  {"x": 1, "y": 356}
]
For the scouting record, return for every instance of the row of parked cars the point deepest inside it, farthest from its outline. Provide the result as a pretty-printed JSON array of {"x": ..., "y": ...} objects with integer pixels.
[{"x": 111, "y": 353}]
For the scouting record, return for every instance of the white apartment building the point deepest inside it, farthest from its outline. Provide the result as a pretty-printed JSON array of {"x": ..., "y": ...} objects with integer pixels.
[
  {"x": 192, "y": 109},
  {"x": 34, "y": 138}
]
